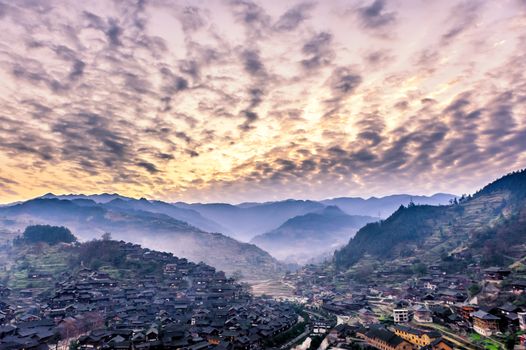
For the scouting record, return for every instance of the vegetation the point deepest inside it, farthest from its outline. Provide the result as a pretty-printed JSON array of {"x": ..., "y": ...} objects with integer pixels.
[
  {"x": 419, "y": 269},
  {"x": 74, "y": 345},
  {"x": 515, "y": 182},
  {"x": 97, "y": 254},
  {"x": 474, "y": 289},
  {"x": 315, "y": 342},
  {"x": 411, "y": 224},
  {"x": 488, "y": 224},
  {"x": 54, "y": 260},
  {"x": 47, "y": 234},
  {"x": 283, "y": 338}
]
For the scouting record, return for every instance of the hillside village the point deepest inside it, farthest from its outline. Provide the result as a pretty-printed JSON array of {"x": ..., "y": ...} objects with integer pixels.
[
  {"x": 186, "y": 305},
  {"x": 263, "y": 175},
  {"x": 428, "y": 277},
  {"x": 396, "y": 307},
  {"x": 183, "y": 305}
]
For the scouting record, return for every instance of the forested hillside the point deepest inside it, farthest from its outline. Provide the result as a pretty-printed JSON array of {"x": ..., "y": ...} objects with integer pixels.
[{"x": 491, "y": 224}]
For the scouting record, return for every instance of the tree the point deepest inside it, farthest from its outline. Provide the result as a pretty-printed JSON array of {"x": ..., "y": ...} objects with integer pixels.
[
  {"x": 74, "y": 345},
  {"x": 474, "y": 289},
  {"x": 363, "y": 273},
  {"x": 48, "y": 234},
  {"x": 237, "y": 275},
  {"x": 419, "y": 269},
  {"x": 106, "y": 236}
]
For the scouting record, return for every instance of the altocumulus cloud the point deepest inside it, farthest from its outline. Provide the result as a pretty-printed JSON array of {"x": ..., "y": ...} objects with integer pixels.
[{"x": 260, "y": 99}]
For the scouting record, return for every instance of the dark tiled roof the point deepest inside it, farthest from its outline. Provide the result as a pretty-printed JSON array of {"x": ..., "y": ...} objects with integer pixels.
[
  {"x": 385, "y": 336},
  {"x": 484, "y": 315}
]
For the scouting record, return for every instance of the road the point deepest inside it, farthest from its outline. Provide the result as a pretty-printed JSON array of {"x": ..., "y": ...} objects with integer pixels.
[{"x": 297, "y": 339}]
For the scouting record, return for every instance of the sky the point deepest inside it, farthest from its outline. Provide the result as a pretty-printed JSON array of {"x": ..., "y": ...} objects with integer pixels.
[{"x": 239, "y": 100}]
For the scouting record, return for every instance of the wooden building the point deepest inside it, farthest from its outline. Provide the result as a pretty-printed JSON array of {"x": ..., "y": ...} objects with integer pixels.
[{"x": 484, "y": 323}]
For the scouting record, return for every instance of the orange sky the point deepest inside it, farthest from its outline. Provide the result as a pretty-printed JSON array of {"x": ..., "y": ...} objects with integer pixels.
[{"x": 245, "y": 101}]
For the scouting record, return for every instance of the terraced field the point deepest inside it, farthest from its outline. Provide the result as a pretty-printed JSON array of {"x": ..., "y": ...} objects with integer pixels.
[
  {"x": 17, "y": 272},
  {"x": 272, "y": 287}
]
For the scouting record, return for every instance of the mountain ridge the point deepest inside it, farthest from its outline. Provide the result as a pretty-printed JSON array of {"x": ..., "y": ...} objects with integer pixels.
[
  {"x": 302, "y": 237},
  {"x": 494, "y": 216},
  {"x": 154, "y": 230},
  {"x": 245, "y": 221}
]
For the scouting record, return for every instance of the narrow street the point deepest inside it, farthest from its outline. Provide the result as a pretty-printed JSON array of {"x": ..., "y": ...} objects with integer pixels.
[{"x": 297, "y": 339}]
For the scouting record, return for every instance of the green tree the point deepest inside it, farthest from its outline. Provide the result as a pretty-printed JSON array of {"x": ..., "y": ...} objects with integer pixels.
[
  {"x": 237, "y": 275},
  {"x": 106, "y": 236},
  {"x": 48, "y": 234},
  {"x": 474, "y": 289},
  {"x": 419, "y": 269},
  {"x": 74, "y": 345}
]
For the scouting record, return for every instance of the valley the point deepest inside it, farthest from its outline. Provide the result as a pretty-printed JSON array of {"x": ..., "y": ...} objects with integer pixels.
[
  {"x": 437, "y": 273},
  {"x": 262, "y": 175}
]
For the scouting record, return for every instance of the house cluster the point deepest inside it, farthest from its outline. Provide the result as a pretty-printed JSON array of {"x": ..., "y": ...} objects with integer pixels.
[
  {"x": 403, "y": 338},
  {"x": 241, "y": 326},
  {"x": 485, "y": 301},
  {"x": 384, "y": 337},
  {"x": 449, "y": 303},
  {"x": 35, "y": 334},
  {"x": 187, "y": 306}
]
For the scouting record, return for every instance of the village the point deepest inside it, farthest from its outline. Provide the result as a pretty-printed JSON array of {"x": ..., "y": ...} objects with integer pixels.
[
  {"x": 188, "y": 306},
  {"x": 389, "y": 309}
]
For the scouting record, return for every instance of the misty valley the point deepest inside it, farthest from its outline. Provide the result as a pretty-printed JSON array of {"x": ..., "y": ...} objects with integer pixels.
[
  {"x": 262, "y": 175},
  {"x": 112, "y": 272}
]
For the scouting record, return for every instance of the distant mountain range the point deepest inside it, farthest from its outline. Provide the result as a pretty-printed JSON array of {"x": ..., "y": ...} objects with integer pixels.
[
  {"x": 490, "y": 226},
  {"x": 245, "y": 221},
  {"x": 384, "y": 206},
  {"x": 307, "y": 236},
  {"x": 248, "y": 220},
  {"x": 116, "y": 201},
  {"x": 129, "y": 220},
  {"x": 213, "y": 232}
]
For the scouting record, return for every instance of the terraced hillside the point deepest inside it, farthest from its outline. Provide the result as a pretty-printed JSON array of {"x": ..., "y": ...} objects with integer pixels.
[
  {"x": 89, "y": 220},
  {"x": 491, "y": 225}
]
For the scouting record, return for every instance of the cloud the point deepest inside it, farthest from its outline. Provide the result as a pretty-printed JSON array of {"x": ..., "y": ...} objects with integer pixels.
[
  {"x": 318, "y": 49},
  {"x": 375, "y": 16},
  {"x": 192, "y": 19},
  {"x": 4, "y": 181},
  {"x": 462, "y": 17},
  {"x": 151, "y": 168},
  {"x": 173, "y": 83},
  {"x": 252, "y": 63},
  {"x": 293, "y": 17},
  {"x": 343, "y": 81},
  {"x": 251, "y": 99},
  {"x": 256, "y": 96},
  {"x": 379, "y": 58},
  {"x": 114, "y": 33},
  {"x": 190, "y": 67},
  {"x": 254, "y": 18},
  {"x": 250, "y": 118}
]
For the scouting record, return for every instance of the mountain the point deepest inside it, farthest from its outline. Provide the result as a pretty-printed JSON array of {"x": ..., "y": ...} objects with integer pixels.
[
  {"x": 88, "y": 220},
  {"x": 385, "y": 206},
  {"x": 97, "y": 198},
  {"x": 489, "y": 226},
  {"x": 303, "y": 237},
  {"x": 247, "y": 220},
  {"x": 115, "y": 201},
  {"x": 190, "y": 216},
  {"x": 250, "y": 219}
]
